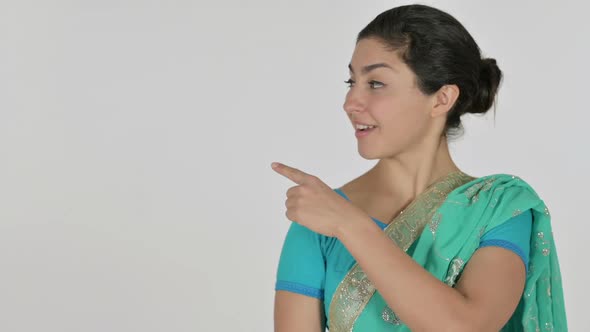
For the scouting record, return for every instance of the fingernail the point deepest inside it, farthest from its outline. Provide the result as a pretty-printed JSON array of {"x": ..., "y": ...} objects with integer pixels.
[{"x": 274, "y": 165}]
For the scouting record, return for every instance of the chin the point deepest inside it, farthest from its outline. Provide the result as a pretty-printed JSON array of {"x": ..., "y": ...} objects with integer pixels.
[
  {"x": 369, "y": 154},
  {"x": 378, "y": 152}
]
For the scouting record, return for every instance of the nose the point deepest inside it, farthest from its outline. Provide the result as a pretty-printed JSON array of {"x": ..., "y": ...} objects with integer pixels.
[{"x": 354, "y": 102}]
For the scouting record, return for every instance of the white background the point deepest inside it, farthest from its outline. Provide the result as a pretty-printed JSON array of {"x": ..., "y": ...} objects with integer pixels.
[{"x": 136, "y": 138}]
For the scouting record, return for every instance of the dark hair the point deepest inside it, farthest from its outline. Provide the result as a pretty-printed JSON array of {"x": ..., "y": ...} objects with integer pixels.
[{"x": 440, "y": 51}]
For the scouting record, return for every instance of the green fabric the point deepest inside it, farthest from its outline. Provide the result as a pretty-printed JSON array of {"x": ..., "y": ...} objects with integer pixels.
[{"x": 447, "y": 243}]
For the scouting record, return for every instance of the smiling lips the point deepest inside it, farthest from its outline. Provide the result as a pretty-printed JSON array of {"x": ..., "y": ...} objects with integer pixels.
[
  {"x": 364, "y": 127},
  {"x": 362, "y": 130}
]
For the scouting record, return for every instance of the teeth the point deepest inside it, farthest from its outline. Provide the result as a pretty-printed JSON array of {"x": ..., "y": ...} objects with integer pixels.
[{"x": 362, "y": 127}]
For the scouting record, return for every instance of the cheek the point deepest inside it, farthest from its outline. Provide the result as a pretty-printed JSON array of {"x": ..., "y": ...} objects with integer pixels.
[{"x": 401, "y": 114}]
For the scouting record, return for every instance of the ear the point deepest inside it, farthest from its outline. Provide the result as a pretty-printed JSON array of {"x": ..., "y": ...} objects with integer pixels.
[{"x": 444, "y": 99}]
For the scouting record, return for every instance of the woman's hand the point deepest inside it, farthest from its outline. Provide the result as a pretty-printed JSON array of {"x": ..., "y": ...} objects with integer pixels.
[{"x": 315, "y": 205}]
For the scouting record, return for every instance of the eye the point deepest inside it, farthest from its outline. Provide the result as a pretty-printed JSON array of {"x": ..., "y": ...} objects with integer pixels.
[
  {"x": 373, "y": 84},
  {"x": 350, "y": 82}
]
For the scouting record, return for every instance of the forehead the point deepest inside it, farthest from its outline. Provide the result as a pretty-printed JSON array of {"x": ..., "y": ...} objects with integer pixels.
[{"x": 369, "y": 50}]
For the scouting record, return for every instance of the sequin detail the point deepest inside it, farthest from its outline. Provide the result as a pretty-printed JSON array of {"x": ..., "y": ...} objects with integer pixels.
[
  {"x": 434, "y": 223},
  {"x": 543, "y": 244},
  {"x": 454, "y": 271},
  {"x": 472, "y": 192},
  {"x": 389, "y": 316}
]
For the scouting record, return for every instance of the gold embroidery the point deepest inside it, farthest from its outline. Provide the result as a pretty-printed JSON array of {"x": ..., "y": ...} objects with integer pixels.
[
  {"x": 355, "y": 290},
  {"x": 434, "y": 223},
  {"x": 455, "y": 269},
  {"x": 389, "y": 316},
  {"x": 472, "y": 192}
]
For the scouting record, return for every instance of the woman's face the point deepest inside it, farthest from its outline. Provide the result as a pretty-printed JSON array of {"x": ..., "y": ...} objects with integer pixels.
[{"x": 384, "y": 93}]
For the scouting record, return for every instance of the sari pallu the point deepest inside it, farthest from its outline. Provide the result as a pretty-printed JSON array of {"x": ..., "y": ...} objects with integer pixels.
[{"x": 445, "y": 224}]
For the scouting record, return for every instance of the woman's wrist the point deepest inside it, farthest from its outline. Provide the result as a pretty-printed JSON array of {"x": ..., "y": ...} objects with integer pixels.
[{"x": 352, "y": 226}]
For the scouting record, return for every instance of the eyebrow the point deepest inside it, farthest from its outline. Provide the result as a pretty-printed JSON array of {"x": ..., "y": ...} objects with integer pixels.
[{"x": 368, "y": 68}]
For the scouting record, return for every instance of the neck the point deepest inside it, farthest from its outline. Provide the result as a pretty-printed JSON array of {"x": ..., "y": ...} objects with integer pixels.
[{"x": 409, "y": 174}]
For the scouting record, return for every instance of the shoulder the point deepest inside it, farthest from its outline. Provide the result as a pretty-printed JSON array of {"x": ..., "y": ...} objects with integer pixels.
[
  {"x": 499, "y": 197},
  {"x": 496, "y": 196},
  {"x": 359, "y": 184},
  {"x": 500, "y": 184}
]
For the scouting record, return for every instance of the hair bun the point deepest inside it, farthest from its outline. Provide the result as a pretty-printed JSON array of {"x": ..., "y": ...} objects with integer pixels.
[{"x": 490, "y": 77}]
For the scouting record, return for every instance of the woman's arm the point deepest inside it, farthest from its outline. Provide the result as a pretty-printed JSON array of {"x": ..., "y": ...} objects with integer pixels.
[
  {"x": 300, "y": 279},
  {"x": 484, "y": 298},
  {"x": 298, "y": 313}
]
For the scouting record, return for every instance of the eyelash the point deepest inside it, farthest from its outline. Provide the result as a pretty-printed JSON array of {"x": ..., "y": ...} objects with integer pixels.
[{"x": 350, "y": 82}]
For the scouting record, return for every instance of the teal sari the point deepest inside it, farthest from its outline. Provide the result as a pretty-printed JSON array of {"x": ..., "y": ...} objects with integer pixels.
[{"x": 445, "y": 224}]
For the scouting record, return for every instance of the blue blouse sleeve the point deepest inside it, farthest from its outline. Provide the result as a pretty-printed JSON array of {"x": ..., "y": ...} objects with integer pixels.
[
  {"x": 302, "y": 265},
  {"x": 514, "y": 235}
]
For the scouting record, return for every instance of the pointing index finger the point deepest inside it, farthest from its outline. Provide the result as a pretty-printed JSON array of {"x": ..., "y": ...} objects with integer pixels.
[{"x": 291, "y": 173}]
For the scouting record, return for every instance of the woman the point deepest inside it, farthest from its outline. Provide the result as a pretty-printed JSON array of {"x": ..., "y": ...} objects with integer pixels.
[{"x": 415, "y": 243}]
